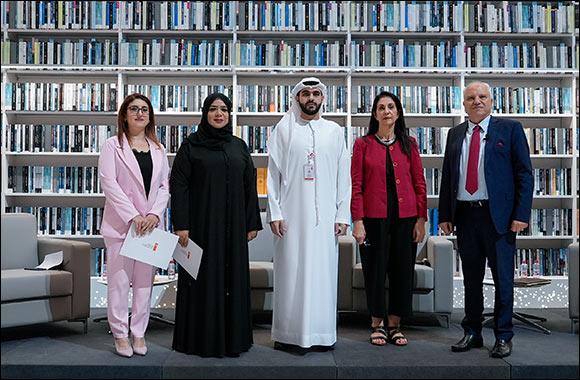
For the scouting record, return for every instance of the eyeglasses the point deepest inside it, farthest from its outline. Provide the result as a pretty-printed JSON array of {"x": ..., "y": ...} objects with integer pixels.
[{"x": 134, "y": 109}]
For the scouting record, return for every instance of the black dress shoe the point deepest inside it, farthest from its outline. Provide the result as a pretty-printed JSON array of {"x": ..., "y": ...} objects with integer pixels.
[
  {"x": 501, "y": 348},
  {"x": 468, "y": 341},
  {"x": 323, "y": 348},
  {"x": 281, "y": 346}
]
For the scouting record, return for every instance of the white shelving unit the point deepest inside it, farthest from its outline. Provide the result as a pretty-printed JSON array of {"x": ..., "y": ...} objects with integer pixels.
[{"x": 233, "y": 75}]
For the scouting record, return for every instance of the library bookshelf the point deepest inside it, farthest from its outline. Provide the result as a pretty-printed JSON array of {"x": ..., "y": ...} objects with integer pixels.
[{"x": 67, "y": 66}]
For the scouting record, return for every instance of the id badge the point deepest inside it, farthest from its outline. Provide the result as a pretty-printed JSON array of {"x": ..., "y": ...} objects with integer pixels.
[{"x": 308, "y": 170}]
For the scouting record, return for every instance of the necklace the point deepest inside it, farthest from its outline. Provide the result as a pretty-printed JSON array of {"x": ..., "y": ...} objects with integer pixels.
[{"x": 386, "y": 140}]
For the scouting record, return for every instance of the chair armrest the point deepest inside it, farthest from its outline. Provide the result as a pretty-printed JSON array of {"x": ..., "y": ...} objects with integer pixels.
[
  {"x": 573, "y": 294},
  {"x": 346, "y": 259},
  {"x": 440, "y": 255},
  {"x": 76, "y": 259}
]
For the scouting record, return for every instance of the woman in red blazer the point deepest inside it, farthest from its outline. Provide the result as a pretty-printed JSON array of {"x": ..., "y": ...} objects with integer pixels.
[{"x": 389, "y": 209}]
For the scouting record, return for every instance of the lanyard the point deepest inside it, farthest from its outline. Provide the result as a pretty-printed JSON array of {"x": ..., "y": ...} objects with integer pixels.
[{"x": 312, "y": 160}]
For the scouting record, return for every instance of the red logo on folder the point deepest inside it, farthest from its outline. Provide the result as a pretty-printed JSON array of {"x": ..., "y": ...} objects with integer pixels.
[{"x": 155, "y": 247}]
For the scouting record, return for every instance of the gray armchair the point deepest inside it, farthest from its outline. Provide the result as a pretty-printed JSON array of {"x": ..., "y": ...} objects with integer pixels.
[
  {"x": 573, "y": 294},
  {"x": 432, "y": 288},
  {"x": 30, "y": 297},
  {"x": 261, "y": 253}
]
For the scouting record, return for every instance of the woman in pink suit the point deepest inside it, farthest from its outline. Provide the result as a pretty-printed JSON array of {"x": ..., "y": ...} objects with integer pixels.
[{"x": 134, "y": 171}]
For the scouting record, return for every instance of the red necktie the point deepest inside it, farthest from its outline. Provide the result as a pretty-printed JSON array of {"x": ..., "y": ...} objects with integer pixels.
[{"x": 472, "y": 164}]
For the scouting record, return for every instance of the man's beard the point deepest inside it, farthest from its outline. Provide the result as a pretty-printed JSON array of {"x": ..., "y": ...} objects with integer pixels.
[{"x": 310, "y": 111}]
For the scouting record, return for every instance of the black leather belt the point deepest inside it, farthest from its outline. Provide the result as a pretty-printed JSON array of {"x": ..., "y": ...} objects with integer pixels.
[{"x": 479, "y": 203}]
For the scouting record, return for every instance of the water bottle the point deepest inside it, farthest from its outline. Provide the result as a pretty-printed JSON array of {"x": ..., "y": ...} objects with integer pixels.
[
  {"x": 536, "y": 268},
  {"x": 171, "y": 270},
  {"x": 524, "y": 269}
]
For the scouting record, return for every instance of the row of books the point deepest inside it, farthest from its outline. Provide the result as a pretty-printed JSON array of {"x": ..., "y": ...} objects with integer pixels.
[
  {"x": 398, "y": 53},
  {"x": 527, "y": 56},
  {"x": 90, "y": 138},
  {"x": 57, "y": 138},
  {"x": 255, "y": 136},
  {"x": 414, "y": 99},
  {"x": 398, "y": 16},
  {"x": 144, "y": 15},
  {"x": 445, "y": 16},
  {"x": 98, "y": 262},
  {"x": 55, "y": 52},
  {"x": 550, "y": 140},
  {"x": 64, "y": 221},
  {"x": 447, "y": 99},
  {"x": 549, "y": 222},
  {"x": 265, "y": 98},
  {"x": 85, "y": 179},
  {"x": 432, "y": 180},
  {"x": 171, "y": 52},
  {"x": 532, "y": 100},
  {"x": 60, "y": 14},
  {"x": 178, "y": 15},
  {"x": 175, "y": 52},
  {"x": 70, "y": 221},
  {"x": 255, "y": 98},
  {"x": 292, "y": 16},
  {"x": 290, "y": 54},
  {"x": 543, "y": 222},
  {"x": 553, "y": 262},
  {"x": 61, "y": 96},
  {"x": 171, "y": 136},
  {"x": 430, "y": 140},
  {"x": 553, "y": 181},
  {"x": 177, "y": 98},
  {"x": 53, "y": 180}
]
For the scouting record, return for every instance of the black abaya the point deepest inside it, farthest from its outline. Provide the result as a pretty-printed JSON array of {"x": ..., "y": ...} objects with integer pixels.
[{"x": 213, "y": 195}]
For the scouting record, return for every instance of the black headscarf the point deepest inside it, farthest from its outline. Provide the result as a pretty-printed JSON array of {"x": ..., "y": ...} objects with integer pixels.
[{"x": 208, "y": 136}]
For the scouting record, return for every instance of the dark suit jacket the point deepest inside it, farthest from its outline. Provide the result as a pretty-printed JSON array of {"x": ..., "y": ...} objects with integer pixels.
[{"x": 508, "y": 173}]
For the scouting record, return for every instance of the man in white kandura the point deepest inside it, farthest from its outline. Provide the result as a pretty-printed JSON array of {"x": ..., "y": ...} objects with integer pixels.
[{"x": 308, "y": 208}]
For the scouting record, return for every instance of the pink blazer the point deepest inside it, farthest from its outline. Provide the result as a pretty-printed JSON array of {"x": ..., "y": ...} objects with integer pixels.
[{"x": 122, "y": 183}]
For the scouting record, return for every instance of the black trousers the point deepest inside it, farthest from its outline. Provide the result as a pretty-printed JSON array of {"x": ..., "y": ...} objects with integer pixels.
[
  {"x": 477, "y": 239},
  {"x": 390, "y": 251}
]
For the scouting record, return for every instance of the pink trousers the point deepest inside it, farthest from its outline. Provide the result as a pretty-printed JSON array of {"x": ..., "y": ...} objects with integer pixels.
[{"x": 123, "y": 273}]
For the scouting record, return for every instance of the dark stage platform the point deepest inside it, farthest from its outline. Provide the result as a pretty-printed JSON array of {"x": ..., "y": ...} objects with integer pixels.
[{"x": 61, "y": 350}]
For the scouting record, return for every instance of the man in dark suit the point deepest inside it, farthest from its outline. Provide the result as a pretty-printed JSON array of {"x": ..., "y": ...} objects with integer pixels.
[{"x": 486, "y": 193}]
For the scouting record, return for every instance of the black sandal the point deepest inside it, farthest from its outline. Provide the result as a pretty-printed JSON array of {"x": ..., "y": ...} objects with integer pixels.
[
  {"x": 375, "y": 339},
  {"x": 392, "y": 339}
]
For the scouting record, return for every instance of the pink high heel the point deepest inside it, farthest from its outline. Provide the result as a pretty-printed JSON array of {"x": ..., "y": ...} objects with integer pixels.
[
  {"x": 124, "y": 352},
  {"x": 140, "y": 349}
]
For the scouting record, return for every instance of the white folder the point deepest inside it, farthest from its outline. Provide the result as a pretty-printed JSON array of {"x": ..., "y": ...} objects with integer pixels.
[
  {"x": 155, "y": 248},
  {"x": 189, "y": 257}
]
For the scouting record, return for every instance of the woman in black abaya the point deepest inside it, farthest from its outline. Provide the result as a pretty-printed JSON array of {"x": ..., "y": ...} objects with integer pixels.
[{"x": 215, "y": 203}]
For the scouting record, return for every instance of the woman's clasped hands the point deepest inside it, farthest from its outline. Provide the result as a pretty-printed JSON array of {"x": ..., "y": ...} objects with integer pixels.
[{"x": 145, "y": 225}]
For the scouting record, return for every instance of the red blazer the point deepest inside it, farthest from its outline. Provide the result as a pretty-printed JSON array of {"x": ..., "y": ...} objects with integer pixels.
[{"x": 369, "y": 180}]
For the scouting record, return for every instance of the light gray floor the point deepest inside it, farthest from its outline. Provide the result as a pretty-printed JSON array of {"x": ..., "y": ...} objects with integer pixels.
[{"x": 61, "y": 350}]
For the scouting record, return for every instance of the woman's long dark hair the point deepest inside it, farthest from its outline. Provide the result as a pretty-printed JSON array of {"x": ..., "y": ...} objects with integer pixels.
[
  {"x": 401, "y": 131},
  {"x": 123, "y": 126}
]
